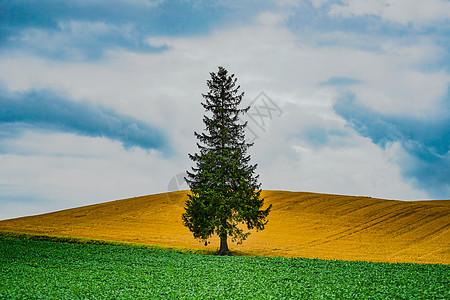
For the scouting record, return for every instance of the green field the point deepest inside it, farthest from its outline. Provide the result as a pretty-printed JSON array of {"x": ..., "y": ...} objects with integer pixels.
[{"x": 34, "y": 269}]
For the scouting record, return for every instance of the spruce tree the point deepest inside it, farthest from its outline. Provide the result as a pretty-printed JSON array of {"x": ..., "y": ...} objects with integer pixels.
[{"x": 225, "y": 194}]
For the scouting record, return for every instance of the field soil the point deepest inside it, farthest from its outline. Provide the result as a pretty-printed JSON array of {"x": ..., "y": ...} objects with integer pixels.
[{"x": 300, "y": 225}]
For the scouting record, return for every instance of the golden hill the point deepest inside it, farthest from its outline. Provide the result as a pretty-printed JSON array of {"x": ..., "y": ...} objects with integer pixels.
[{"x": 300, "y": 224}]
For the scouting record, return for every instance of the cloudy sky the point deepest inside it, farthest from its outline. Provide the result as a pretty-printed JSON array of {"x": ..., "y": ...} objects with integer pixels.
[{"x": 99, "y": 99}]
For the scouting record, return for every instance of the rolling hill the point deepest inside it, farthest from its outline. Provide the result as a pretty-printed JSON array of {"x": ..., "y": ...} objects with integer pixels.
[{"x": 300, "y": 225}]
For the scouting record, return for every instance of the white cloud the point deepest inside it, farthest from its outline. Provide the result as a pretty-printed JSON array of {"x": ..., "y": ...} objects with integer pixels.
[
  {"x": 345, "y": 164},
  {"x": 69, "y": 171},
  {"x": 405, "y": 12},
  {"x": 156, "y": 42},
  {"x": 270, "y": 19},
  {"x": 373, "y": 173},
  {"x": 265, "y": 58},
  {"x": 287, "y": 3},
  {"x": 318, "y": 3},
  {"x": 357, "y": 8}
]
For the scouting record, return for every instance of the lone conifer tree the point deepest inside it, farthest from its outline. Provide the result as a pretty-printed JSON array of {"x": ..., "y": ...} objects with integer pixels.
[{"x": 224, "y": 189}]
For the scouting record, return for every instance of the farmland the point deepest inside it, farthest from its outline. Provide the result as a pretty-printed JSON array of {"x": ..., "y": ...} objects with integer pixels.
[
  {"x": 44, "y": 269},
  {"x": 300, "y": 225}
]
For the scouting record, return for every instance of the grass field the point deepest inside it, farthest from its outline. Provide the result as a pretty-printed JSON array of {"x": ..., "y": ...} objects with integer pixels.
[
  {"x": 300, "y": 225},
  {"x": 36, "y": 269}
]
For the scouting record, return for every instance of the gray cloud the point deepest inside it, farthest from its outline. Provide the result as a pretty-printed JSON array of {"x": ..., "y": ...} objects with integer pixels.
[
  {"x": 85, "y": 30},
  {"x": 425, "y": 140},
  {"x": 45, "y": 109}
]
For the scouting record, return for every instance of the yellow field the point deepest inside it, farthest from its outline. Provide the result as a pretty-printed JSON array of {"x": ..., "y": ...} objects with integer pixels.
[{"x": 300, "y": 224}]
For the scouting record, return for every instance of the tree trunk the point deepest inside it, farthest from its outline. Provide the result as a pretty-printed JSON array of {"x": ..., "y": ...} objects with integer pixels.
[{"x": 224, "y": 246}]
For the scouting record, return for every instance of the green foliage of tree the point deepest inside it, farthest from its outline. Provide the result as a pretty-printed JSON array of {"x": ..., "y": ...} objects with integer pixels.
[{"x": 225, "y": 193}]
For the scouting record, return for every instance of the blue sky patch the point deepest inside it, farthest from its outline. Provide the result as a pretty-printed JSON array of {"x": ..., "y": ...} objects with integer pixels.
[{"x": 341, "y": 81}]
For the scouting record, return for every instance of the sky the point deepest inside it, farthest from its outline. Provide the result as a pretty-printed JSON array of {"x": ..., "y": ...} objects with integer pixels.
[{"x": 99, "y": 100}]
